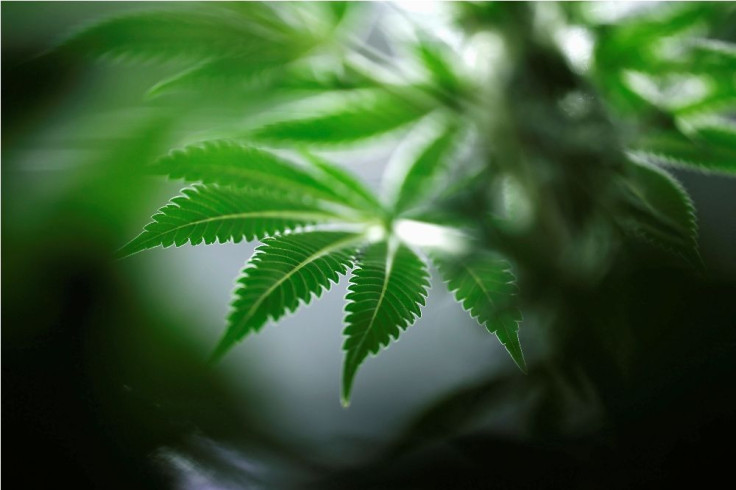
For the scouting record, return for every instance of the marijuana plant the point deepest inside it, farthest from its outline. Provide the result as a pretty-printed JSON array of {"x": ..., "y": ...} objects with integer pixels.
[
  {"x": 317, "y": 224},
  {"x": 511, "y": 153}
]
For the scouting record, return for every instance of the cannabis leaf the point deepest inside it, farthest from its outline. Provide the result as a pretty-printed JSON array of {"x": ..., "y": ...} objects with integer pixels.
[
  {"x": 386, "y": 290},
  {"x": 711, "y": 149},
  {"x": 282, "y": 272},
  {"x": 249, "y": 193},
  {"x": 350, "y": 190},
  {"x": 229, "y": 163},
  {"x": 486, "y": 287},
  {"x": 372, "y": 113},
  {"x": 208, "y": 214},
  {"x": 660, "y": 210},
  {"x": 420, "y": 178}
]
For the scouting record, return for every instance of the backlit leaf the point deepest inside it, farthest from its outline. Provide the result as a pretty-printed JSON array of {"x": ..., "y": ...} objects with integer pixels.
[
  {"x": 283, "y": 273},
  {"x": 212, "y": 214},
  {"x": 386, "y": 290}
]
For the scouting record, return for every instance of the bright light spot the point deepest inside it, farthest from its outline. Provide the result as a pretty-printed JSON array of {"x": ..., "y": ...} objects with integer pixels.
[
  {"x": 673, "y": 92},
  {"x": 431, "y": 7},
  {"x": 693, "y": 124},
  {"x": 576, "y": 104},
  {"x": 485, "y": 53},
  {"x": 429, "y": 235},
  {"x": 517, "y": 206},
  {"x": 577, "y": 45},
  {"x": 643, "y": 85},
  {"x": 432, "y": 17},
  {"x": 375, "y": 233},
  {"x": 610, "y": 12}
]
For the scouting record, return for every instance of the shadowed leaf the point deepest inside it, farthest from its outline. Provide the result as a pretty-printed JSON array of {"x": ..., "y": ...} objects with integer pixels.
[
  {"x": 661, "y": 212},
  {"x": 486, "y": 288}
]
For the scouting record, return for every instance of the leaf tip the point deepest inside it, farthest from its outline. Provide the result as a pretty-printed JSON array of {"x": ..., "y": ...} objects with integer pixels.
[
  {"x": 125, "y": 251},
  {"x": 220, "y": 350},
  {"x": 513, "y": 347},
  {"x": 348, "y": 377},
  {"x": 345, "y": 401}
]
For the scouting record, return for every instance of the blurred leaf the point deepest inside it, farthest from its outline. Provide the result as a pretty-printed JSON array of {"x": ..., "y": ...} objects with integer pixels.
[
  {"x": 226, "y": 73},
  {"x": 283, "y": 272},
  {"x": 661, "y": 43},
  {"x": 208, "y": 214},
  {"x": 673, "y": 149},
  {"x": 386, "y": 290},
  {"x": 453, "y": 412},
  {"x": 712, "y": 130},
  {"x": 372, "y": 114},
  {"x": 660, "y": 211},
  {"x": 194, "y": 34},
  {"x": 437, "y": 62},
  {"x": 723, "y": 50},
  {"x": 346, "y": 185},
  {"x": 421, "y": 178},
  {"x": 486, "y": 288},
  {"x": 229, "y": 163}
]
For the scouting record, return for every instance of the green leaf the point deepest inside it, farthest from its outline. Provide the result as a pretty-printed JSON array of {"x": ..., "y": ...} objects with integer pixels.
[
  {"x": 660, "y": 211},
  {"x": 284, "y": 271},
  {"x": 309, "y": 77},
  {"x": 228, "y": 74},
  {"x": 421, "y": 178},
  {"x": 724, "y": 50},
  {"x": 369, "y": 115},
  {"x": 281, "y": 75},
  {"x": 186, "y": 34},
  {"x": 712, "y": 130},
  {"x": 208, "y": 214},
  {"x": 486, "y": 288},
  {"x": 228, "y": 163},
  {"x": 711, "y": 150},
  {"x": 436, "y": 59},
  {"x": 346, "y": 185},
  {"x": 385, "y": 293}
]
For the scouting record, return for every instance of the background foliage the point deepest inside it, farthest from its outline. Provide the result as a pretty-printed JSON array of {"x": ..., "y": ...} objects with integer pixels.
[{"x": 564, "y": 160}]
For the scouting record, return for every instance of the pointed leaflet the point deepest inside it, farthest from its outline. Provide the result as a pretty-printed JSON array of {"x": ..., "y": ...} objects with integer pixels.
[
  {"x": 435, "y": 57},
  {"x": 208, "y": 214},
  {"x": 229, "y": 163},
  {"x": 423, "y": 173},
  {"x": 385, "y": 292},
  {"x": 372, "y": 114},
  {"x": 284, "y": 271},
  {"x": 712, "y": 149},
  {"x": 660, "y": 211},
  {"x": 486, "y": 288}
]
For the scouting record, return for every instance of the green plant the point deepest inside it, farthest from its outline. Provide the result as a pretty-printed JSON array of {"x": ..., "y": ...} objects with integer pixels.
[{"x": 522, "y": 157}]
